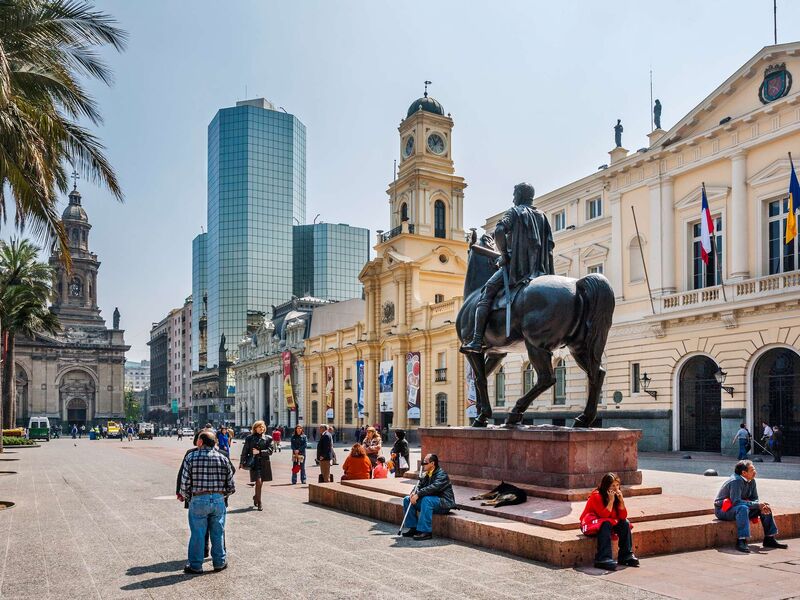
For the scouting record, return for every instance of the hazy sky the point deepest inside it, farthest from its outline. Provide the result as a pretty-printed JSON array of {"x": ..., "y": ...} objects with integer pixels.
[{"x": 534, "y": 89}]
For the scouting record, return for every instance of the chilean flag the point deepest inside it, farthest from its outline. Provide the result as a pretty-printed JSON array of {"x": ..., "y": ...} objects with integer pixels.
[{"x": 706, "y": 228}]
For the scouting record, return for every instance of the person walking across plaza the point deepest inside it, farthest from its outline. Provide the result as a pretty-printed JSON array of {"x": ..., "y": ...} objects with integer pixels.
[
  {"x": 325, "y": 454},
  {"x": 433, "y": 496},
  {"x": 255, "y": 456},
  {"x": 276, "y": 438},
  {"x": 372, "y": 444},
  {"x": 766, "y": 437},
  {"x": 74, "y": 431},
  {"x": 130, "y": 433},
  {"x": 605, "y": 514},
  {"x": 206, "y": 480},
  {"x": 299, "y": 444},
  {"x": 400, "y": 453},
  {"x": 224, "y": 440},
  {"x": 738, "y": 501},
  {"x": 777, "y": 443},
  {"x": 743, "y": 438}
]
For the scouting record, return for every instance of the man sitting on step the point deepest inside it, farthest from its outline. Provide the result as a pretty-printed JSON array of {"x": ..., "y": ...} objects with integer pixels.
[
  {"x": 433, "y": 496},
  {"x": 738, "y": 501}
]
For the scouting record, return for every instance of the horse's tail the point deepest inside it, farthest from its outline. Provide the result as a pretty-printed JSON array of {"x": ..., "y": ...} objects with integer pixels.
[{"x": 598, "y": 310}]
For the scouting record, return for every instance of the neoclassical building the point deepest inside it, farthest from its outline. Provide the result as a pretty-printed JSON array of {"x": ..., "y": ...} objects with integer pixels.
[
  {"x": 399, "y": 366},
  {"x": 695, "y": 348},
  {"x": 76, "y": 376}
]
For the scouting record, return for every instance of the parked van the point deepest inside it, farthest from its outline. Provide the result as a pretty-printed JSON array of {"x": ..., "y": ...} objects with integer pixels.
[
  {"x": 146, "y": 431},
  {"x": 39, "y": 428}
]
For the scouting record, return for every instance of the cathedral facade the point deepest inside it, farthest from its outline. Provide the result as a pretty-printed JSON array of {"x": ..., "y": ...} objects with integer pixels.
[{"x": 77, "y": 375}]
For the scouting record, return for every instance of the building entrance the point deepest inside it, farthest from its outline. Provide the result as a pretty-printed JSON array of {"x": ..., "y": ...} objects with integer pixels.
[
  {"x": 776, "y": 396},
  {"x": 700, "y": 400},
  {"x": 76, "y": 412}
]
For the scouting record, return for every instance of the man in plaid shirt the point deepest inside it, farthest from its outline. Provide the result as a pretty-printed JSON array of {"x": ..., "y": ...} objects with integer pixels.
[{"x": 206, "y": 480}]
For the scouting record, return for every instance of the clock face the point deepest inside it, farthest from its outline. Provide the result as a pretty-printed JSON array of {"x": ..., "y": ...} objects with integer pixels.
[
  {"x": 435, "y": 143},
  {"x": 409, "y": 148}
]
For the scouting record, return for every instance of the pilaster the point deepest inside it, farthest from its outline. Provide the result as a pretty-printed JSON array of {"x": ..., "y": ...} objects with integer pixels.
[
  {"x": 738, "y": 229},
  {"x": 615, "y": 258}
]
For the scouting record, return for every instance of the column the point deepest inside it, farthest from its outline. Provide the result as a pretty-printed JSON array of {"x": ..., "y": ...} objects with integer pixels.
[
  {"x": 738, "y": 228},
  {"x": 615, "y": 258},
  {"x": 667, "y": 237},
  {"x": 654, "y": 243}
]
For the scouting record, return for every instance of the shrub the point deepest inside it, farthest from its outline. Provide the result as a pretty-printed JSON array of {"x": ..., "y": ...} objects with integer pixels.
[{"x": 17, "y": 441}]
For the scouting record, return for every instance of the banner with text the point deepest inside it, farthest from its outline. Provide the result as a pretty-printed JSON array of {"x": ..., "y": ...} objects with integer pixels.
[
  {"x": 288, "y": 393},
  {"x": 329, "y": 393},
  {"x": 472, "y": 394},
  {"x": 386, "y": 385},
  {"x": 360, "y": 388},
  {"x": 412, "y": 384}
]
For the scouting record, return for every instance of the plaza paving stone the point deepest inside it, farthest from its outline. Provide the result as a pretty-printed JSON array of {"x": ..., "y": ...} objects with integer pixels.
[{"x": 98, "y": 519}]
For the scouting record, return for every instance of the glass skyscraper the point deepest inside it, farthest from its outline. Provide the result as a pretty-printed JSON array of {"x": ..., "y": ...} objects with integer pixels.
[
  {"x": 327, "y": 260},
  {"x": 199, "y": 299},
  {"x": 256, "y": 192}
]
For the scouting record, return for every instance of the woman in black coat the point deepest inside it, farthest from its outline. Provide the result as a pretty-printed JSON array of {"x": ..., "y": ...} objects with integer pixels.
[
  {"x": 255, "y": 456},
  {"x": 400, "y": 453}
]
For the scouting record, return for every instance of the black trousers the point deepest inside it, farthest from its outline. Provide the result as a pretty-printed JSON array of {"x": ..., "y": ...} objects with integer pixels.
[{"x": 623, "y": 530}]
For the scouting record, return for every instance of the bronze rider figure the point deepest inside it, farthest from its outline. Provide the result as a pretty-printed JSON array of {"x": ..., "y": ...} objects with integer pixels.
[{"x": 525, "y": 242}]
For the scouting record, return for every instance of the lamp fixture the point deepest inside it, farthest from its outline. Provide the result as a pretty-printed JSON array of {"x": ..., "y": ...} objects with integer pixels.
[
  {"x": 448, "y": 322},
  {"x": 646, "y": 384},
  {"x": 720, "y": 376}
]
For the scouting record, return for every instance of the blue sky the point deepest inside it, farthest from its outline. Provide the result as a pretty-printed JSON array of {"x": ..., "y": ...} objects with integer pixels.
[{"x": 534, "y": 89}]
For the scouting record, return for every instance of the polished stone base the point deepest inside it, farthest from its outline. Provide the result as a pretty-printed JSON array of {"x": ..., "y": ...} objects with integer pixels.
[{"x": 544, "y": 455}]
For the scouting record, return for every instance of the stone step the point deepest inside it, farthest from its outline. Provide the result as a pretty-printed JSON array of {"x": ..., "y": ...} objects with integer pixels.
[{"x": 555, "y": 546}]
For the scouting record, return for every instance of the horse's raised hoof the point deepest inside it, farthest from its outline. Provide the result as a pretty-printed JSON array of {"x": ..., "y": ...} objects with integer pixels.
[{"x": 582, "y": 422}]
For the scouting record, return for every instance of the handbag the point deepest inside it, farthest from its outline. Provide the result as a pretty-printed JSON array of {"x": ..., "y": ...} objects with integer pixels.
[
  {"x": 403, "y": 463},
  {"x": 248, "y": 462},
  {"x": 296, "y": 468}
]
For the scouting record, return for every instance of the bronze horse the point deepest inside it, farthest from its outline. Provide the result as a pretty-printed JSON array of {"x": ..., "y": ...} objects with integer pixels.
[{"x": 549, "y": 312}]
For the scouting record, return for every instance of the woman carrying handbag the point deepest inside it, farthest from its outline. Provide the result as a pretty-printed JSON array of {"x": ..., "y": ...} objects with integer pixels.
[{"x": 255, "y": 457}]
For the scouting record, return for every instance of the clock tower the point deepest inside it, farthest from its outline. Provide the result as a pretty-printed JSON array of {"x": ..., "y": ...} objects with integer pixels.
[{"x": 427, "y": 193}]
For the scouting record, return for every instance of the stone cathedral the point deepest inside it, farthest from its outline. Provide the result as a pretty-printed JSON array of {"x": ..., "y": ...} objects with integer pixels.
[{"x": 76, "y": 376}]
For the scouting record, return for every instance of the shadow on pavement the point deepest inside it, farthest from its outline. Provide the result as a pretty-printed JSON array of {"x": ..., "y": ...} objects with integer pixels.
[
  {"x": 164, "y": 567},
  {"x": 246, "y": 509},
  {"x": 158, "y": 582}
]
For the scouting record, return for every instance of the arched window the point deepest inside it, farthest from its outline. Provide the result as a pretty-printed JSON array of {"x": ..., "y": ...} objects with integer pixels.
[
  {"x": 500, "y": 388},
  {"x": 439, "y": 220},
  {"x": 528, "y": 377},
  {"x": 560, "y": 388},
  {"x": 314, "y": 412},
  {"x": 75, "y": 287},
  {"x": 348, "y": 411},
  {"x": 636, "y": 266},
  {"x": 441, "y": 409},
  {"x": 404, "y": 212}
]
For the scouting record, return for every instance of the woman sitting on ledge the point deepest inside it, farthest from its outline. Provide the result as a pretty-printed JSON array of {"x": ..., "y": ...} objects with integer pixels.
[
  {"x": 357, "y": 465},
  {"x": 605, "y": 514}
]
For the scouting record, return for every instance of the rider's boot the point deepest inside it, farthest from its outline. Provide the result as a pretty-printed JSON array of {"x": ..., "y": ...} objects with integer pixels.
[{"x": 476, "y": 345}]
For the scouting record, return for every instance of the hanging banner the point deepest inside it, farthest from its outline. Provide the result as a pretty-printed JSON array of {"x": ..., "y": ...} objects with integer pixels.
[
  {"x": 472, "y": 394},
  {"x": 412, "y": 384},
  {"x": 360, "y": 388},
  {"x": 329, "y": 392},
  {"x": 386, "y": 385},
  {"x": 288, "y": 392}
]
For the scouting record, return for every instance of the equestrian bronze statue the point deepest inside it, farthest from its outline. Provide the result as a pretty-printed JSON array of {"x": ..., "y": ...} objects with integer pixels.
[{"x": 512, "y": 300}]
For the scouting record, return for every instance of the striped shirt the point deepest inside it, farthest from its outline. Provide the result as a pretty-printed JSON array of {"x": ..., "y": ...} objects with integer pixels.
[{"x": 207, "y": 470}]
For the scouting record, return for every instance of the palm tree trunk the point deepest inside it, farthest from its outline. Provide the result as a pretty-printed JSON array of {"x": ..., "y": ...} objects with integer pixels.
[
  {"x": 8, "y": 381},
  {"x": 2, "y": 380}
]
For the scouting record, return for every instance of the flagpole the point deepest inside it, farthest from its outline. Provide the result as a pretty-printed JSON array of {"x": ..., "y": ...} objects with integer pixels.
[
  {"x": 714, "y": 250},
  {"x": 644, "y": 263}
]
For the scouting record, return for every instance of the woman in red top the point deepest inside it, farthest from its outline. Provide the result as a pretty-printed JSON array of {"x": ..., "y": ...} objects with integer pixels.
[
  {"x": 357, "y": 465},
  {"x": 604, "y": 514}
]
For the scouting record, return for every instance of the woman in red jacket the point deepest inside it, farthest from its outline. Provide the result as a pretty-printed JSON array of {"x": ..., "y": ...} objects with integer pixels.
[{"x": 605, "y": 514}]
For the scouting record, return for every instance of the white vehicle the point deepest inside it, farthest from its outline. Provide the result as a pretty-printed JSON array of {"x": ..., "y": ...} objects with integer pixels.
[
  {"x": 39, "y": 428},
  {"x": 187, "y": 431},
  {"x": 146, "y": 431}
]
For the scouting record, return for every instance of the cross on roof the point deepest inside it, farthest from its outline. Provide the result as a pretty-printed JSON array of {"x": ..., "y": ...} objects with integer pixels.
[
  {"x": 427, "y": 83},
  {"x": 75, "y": 178}
]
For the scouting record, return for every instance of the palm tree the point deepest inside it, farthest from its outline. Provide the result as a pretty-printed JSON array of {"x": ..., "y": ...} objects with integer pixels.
[
  {"x": 26, "y": 291},
  {"x": 46, "y": 48}
]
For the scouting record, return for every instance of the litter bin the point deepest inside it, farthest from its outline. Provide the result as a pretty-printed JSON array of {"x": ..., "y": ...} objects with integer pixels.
[{"x": 92, "y": 435}]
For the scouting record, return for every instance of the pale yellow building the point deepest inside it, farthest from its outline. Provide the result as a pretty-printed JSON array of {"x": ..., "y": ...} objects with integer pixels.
[
  {"x": 743, "y": 319},
  {"x": 413, "y": 290}
]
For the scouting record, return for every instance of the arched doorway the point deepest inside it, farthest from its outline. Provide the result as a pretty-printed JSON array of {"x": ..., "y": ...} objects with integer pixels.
[
  {"x": 76, "y": 412},
  {"x": 776, "y": 395},
  {"x": 700, "y": 399}
]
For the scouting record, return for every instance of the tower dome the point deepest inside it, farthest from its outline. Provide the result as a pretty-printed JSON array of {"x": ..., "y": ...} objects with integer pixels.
[
  {"x": 74, "y": 211},
  {"x": 426, "y": 103}
]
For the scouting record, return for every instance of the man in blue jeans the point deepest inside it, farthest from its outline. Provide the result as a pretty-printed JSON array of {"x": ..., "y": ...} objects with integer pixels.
[
  {"x": 206, "y": 480},
  {"x": 433, "y": 496},
  {"x": 738, "y": 501}
]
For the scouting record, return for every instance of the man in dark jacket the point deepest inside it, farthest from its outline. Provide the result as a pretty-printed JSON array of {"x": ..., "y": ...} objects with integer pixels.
[
  {"x": 325, "y": 454},
  {"x": 433, "y": 496}
]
